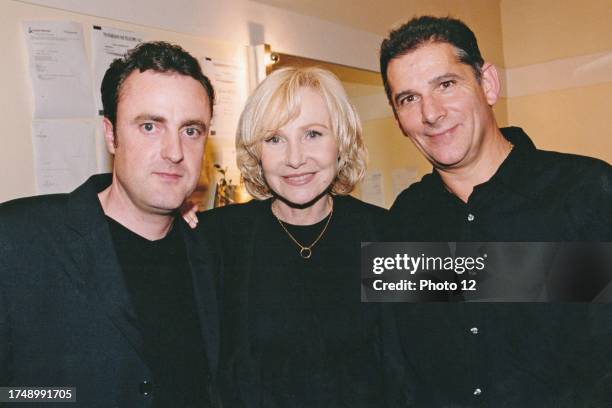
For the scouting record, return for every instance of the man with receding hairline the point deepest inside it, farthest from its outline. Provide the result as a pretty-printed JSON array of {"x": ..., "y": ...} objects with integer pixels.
[
  {"x": 489, "y": 185},
  {"x": 105, "y": 289}
]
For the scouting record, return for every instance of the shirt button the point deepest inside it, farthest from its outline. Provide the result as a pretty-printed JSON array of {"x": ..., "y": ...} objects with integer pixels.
[
  {"x": 474, "y": 330},
  {"x": 145, "y": 388},
  {"x": 470, "y": 217},
  {"x": 477, "y": 391}
]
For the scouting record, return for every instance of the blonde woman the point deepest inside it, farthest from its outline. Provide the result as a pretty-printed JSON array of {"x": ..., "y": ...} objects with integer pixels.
[{"x": 295, "y": 333}]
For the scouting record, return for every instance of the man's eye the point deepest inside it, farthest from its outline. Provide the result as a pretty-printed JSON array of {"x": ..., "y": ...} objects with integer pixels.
[
  {"x": 447, "y": 84},
  {"x": 407, "y": 99},
  {"x": 148, "y": 127},
  {"x": 192, "y": 132}
]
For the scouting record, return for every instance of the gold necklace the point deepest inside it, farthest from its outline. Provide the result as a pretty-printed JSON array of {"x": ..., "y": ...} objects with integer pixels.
[{"x": 306, "y": 251}]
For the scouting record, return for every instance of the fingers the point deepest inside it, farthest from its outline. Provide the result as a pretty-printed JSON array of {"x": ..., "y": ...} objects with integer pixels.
[
  {"x": 192, "y": 221},
  {"x": 188, "y": 213},
  {"x": 191, "y": 218}
]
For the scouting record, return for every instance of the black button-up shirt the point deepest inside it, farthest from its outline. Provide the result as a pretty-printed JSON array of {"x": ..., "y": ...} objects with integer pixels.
[
  {"x": 506, "y": 354},
  {"x": 534, "y": 196}
]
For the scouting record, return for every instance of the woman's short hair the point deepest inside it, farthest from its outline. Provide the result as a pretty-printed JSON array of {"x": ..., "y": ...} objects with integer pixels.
[{"x": 275, "y": 102}]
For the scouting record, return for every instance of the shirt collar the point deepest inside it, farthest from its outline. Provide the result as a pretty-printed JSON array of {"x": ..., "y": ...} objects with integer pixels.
[{"x": 514, "y": 172}]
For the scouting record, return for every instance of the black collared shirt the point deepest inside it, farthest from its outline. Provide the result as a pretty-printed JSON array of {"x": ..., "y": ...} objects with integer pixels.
[
  {"x": 534, "y": 196},
  {"x": 507, "y": 354}
]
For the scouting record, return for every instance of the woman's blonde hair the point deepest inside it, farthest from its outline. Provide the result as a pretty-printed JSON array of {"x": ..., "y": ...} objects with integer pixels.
[{"x": 275, "y": 102}]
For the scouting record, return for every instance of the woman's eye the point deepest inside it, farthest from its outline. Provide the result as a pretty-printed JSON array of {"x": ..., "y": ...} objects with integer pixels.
[
  {"x": 313, "y": 134},
  {"x": 273, "y": 139}
]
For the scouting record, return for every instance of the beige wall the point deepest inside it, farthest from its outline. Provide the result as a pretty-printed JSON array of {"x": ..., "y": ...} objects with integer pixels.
[
  {"x": 501, "y": 112},
  {"x": 543, "y": 30},
  {"x": 483, "y": 17},
  {"x": 575, "y": 120},
  {"x": 388, "y": 150},
  {"x": 548, "y": 36}
]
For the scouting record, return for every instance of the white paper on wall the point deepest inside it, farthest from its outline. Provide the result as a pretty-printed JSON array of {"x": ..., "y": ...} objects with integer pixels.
[
  {"x": 109, "y": 44},
  {"x": 229, "y": 80},
  {"x": 372, "y": 188},
  {"x": 60, "y": 73},
  {"x": 64, "y": 154},
  {"x": 402, "y": 178}
]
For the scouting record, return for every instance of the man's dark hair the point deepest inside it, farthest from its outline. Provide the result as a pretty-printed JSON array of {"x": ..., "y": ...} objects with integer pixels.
[
  {"x": 425, "y": 29},
  {"x": 158, "y": 56}
]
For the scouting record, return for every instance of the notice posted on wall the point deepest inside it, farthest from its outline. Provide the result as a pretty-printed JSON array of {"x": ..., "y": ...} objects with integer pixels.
[
  {"x": 109, "y": 44},
  {"x": 372, "y": 190},
  {"x": 402, "y": 178},
  {"x": 229, "y": 80},
  {"x": 64, "y": 154},
  {"x": 60, "y": 73}
]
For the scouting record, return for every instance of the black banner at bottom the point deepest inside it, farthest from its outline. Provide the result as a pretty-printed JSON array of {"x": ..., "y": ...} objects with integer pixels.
[{"x": 486, "y": 272}]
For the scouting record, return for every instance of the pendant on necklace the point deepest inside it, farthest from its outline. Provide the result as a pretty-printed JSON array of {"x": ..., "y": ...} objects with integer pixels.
[{"x": 305, "y": 252}]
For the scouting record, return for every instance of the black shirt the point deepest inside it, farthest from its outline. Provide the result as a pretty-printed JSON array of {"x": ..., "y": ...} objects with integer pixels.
[
  {"x": 534, "y": 196},
  {"x": 294, "y": 331},
  {"x": 507, "y": 354},
  {"x": 159, "y": 282}
]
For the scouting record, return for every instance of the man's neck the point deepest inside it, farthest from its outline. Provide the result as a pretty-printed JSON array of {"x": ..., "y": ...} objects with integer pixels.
[
  {"x": 461, "y": 181},
  {"x": 118, "y": 207}
]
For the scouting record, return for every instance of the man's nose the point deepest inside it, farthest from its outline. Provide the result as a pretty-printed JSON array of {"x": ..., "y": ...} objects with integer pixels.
[
  {"x": 432, "y": 110},
  {"x": 172, "y": 147}
]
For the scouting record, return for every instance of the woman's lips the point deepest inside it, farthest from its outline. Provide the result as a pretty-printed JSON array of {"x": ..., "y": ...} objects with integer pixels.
[{"x": 298, "y": 179}]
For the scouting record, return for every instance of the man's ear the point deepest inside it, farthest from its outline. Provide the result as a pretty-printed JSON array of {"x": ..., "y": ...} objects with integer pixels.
[
  {"x": 490, "y": 83},
  {"x": 109, "y": 135}
]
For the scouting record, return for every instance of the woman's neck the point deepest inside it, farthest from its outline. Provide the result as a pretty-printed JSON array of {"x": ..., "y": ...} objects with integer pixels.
[{"x": 303, "y": 216}]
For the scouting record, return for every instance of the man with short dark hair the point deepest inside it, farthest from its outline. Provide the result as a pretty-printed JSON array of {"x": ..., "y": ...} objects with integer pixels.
[
  {"x": 103, "y": 289},
  {"x": 490, "y": 184}
]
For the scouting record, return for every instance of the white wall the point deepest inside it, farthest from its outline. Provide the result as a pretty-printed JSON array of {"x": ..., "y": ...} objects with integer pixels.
[{"x": 242, "y": 22}]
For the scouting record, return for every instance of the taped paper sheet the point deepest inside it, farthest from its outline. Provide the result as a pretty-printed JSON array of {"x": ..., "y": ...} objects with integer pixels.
[
  {"x": 109, "y": 44},
  {"x": 372, "y": 188},
  {"x": 60, "y": 73},
  {"x": 229, "y": 80},
  {"x": 64, "y": 154},
  {"x": 402, "y": 178}
]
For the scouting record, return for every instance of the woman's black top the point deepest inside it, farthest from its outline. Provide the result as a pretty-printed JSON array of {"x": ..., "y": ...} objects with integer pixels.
[{"x": 294, "y": 330}]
